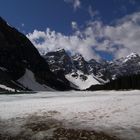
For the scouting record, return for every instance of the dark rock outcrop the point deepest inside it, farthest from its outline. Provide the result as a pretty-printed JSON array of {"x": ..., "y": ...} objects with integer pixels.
[{"x": 17, "y": 54}]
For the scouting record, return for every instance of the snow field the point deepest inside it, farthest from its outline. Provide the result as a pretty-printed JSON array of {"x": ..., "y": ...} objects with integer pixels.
[{"x": 112, "y": 112}]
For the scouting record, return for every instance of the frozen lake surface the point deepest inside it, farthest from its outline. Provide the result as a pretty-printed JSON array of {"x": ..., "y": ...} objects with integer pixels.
[{"x": 113, "y": 112}]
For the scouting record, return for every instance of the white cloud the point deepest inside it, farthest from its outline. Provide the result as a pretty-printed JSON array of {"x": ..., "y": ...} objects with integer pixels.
[
  {"x": 76, "y": 43},
  {"x": 119, "y": 39},
  {"x": 74, "y": 25},
  {"x": 125, "y": 34},
  {"x": 76, "y": 3}
]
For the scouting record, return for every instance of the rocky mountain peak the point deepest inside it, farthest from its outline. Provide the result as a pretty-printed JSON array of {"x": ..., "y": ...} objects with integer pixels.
[
  {"x": 60, "y": 50},
  {"x": 133, "y": 54},
  {"x": 2, "y": 21},
  {"x": 78, "y": 57},
  {"x": 132, "y": 57},
  {"x": 19, "y": 57}
]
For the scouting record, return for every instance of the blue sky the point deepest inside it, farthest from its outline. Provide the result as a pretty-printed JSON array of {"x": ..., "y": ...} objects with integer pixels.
[{"x": 67, "y": 17}]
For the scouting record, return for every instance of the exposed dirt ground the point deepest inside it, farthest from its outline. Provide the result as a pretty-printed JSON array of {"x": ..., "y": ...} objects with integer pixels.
[{"x": 42, "y": 128}]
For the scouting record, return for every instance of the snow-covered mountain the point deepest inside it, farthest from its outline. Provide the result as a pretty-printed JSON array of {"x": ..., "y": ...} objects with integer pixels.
[
  {"x": 126, "y": 66},
  {"x": 21, "y": 66},
  {"x": 82, "y": 74},
  {"x": 75, "y": 68}
]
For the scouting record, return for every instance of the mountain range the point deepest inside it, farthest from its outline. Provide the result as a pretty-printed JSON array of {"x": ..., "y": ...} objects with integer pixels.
[
  {"x": 22, "y": 68},
  {"x": 82, "y": 74}
]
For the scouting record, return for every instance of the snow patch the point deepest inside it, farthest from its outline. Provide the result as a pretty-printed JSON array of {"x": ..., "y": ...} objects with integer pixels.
[
  {"x": 129, "y": 57},
  {"x": 80, "y": 83},
  {"x": 28, "y": 80},
  {"x": 7, "y": 88},
  {"x": 3, "y": 69}
]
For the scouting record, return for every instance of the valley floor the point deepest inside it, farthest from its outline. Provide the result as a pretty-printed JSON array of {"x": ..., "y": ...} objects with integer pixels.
[{"x": 71, "y": 115}]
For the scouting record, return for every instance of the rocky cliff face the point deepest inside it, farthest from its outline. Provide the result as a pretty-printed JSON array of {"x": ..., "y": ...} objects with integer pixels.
[
  {"x": 126, "y": 66},
  {"x": 18, "y": 55},
  {"x": 76, "y": 69},
  {"x": 86, "y": 73}
]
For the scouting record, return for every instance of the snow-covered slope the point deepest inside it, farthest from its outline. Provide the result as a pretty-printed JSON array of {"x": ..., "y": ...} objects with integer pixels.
[
  {"x": 75, "y": 68},
  {"x": 80, "y": 80},
  {"x": 4, "y": 87},
  {"x": 130, "y": 57},
  {"x": 28, "y": 80}
]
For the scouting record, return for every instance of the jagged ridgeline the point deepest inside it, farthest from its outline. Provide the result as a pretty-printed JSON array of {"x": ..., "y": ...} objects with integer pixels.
[
  {"x": 117, "y": 74},
  {"x": 21, "y": 66}
]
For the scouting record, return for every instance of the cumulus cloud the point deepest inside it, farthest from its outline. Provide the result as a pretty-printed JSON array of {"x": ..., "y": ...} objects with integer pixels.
[
  {"x": 125, "y": 34},
  {"x": 76, "y": 3},
  {"x": 50, "y": 41},
  {"x": 74, "y": 25},
  {"x": 119, "y": 40}
]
